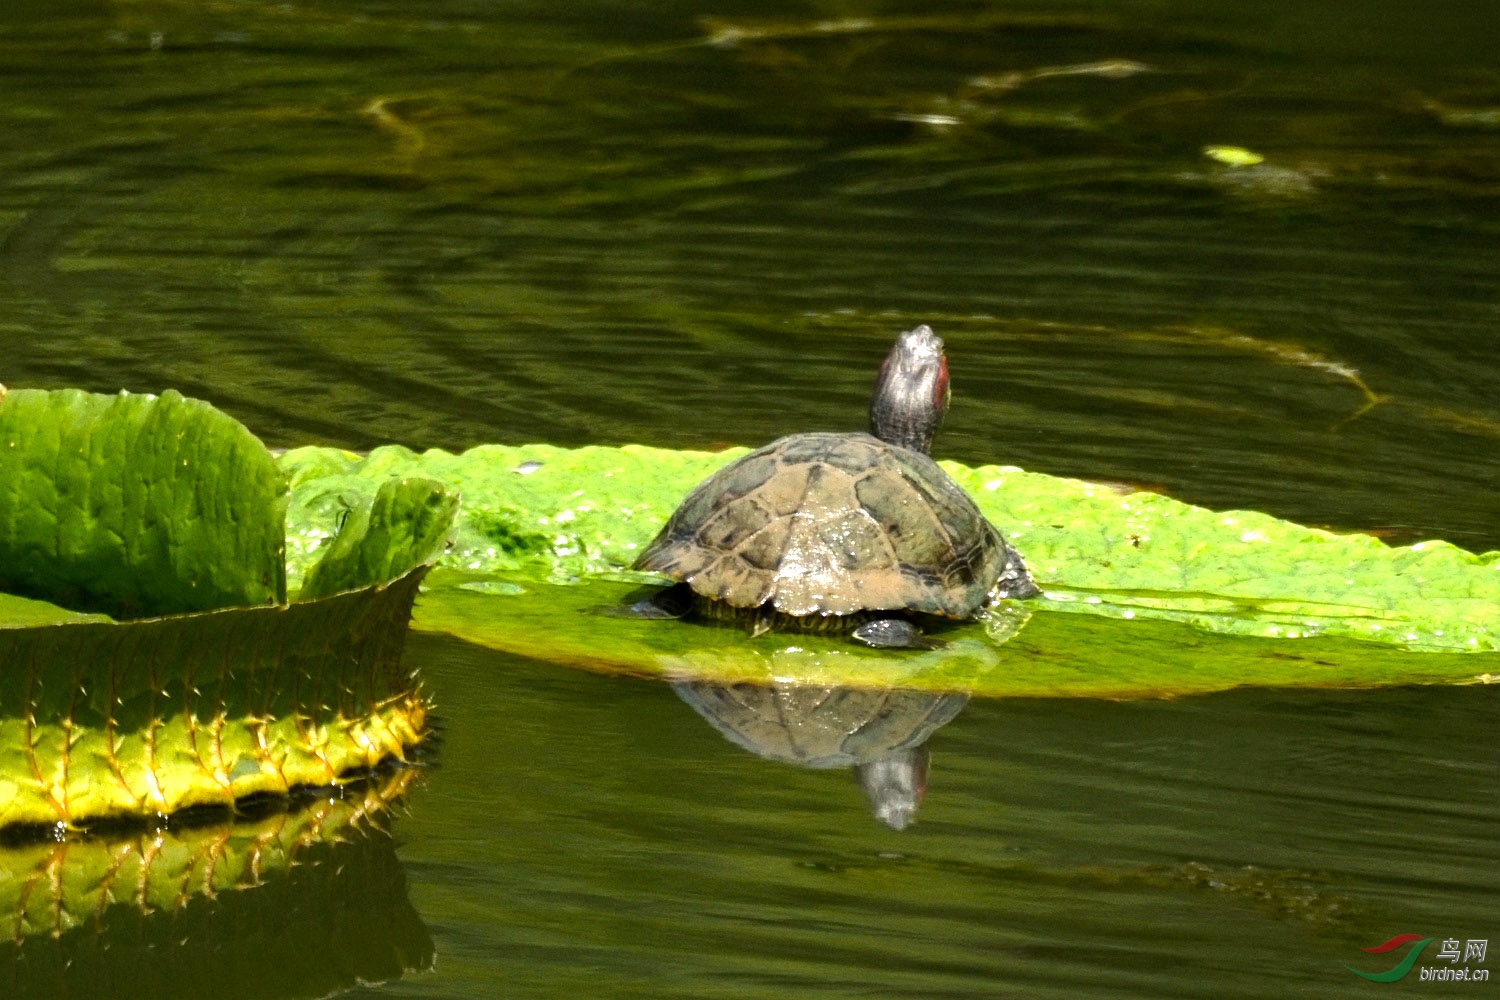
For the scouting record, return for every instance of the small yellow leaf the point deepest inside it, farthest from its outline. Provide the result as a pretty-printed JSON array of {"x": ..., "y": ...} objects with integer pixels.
[{"x": 1234, "y": 156}]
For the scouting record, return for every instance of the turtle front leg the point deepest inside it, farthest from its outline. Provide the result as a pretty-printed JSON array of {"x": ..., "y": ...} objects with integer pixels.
[
  {"x": 1015, "y": 580},
  {"x": 894, "y": 633}
]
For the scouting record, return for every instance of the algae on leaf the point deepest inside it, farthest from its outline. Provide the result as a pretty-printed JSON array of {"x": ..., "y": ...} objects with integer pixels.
[
  {"x": 540, "y": 510},
  {"x": 1012, "y": 652},
  {"x": 1142, "y": 555},
  {"x": 136, "y": 505}
]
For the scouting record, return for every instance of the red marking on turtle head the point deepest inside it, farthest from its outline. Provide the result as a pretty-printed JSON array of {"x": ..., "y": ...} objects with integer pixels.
[{"x": 941, "y": 392}]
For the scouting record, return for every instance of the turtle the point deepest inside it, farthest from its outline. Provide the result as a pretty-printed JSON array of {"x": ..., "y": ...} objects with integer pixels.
[
  {"x": 851, "y": 533},
  {"x": 881, "y": 734}
]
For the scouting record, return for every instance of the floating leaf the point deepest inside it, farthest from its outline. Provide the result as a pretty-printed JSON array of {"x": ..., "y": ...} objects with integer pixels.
[
  {"x": 1233, "y": 156},
  {"x": 1053, "y": 655},
  {"x": 585, "y": 513},
  {"x": 545, "y": 510},
  {"x": 23, "y": 611}
]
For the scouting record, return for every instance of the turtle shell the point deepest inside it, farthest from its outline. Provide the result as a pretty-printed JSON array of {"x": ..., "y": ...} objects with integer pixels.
[
  {"x": 833, "y": 524},
  {"x": 820, "y": 727}
]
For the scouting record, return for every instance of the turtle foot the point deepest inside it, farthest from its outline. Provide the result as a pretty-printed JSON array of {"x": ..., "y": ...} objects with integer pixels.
[
  {"x": 1015, "y": 581},
  {"x": 894, "y": 633},
  {"x": 669, "y": 602}
]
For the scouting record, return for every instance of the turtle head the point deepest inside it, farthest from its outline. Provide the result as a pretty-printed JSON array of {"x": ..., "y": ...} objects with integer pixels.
[
  {"x": 911, "y": 391},
  {"x": 894, "y": 785}
]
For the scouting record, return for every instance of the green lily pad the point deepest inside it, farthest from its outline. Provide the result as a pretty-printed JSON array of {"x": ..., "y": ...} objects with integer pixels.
[
  {"x": 23, "y": 611},
  {"x": 569, "y": 515},
  {"x": 1019, "y": 649},
  {"x": 541, "y": 510}
]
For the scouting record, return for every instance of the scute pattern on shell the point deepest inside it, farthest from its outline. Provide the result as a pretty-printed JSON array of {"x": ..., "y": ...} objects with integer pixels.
[{"x": 832, "y": 524}]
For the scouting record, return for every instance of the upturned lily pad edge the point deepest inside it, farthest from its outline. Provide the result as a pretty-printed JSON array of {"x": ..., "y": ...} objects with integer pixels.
[{"x": 222, "y": 730}]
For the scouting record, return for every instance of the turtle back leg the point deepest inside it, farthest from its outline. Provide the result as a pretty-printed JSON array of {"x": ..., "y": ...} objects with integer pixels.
[
  {"x": 893, "y": 633},
  {"x": 669, "y": 602}
]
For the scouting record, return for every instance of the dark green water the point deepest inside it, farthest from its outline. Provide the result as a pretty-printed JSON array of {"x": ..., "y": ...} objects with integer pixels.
[
  {"x": 458, "y": 222},
  {"x": 602, "y": 840}
]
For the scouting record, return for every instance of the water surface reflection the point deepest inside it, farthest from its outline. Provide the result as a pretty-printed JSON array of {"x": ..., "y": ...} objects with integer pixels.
[
  {"x": 298, "y": 903},
  {"x": 881, "y": 734},
  {"x": 586, "y": 835}
]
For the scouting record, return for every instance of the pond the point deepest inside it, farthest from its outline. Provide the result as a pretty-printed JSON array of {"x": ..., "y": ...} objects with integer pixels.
[{"x": 1243, "y": 254}]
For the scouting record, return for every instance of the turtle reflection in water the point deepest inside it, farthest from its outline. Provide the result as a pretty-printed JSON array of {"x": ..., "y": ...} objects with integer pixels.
[
  {"x": 881, "y": 734},
  {"x": 855, "y": 533}
]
